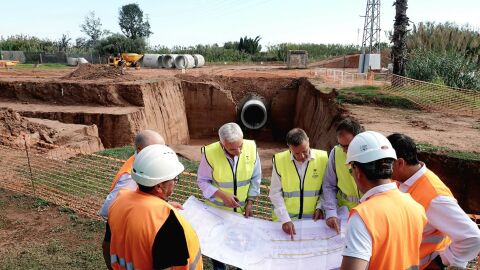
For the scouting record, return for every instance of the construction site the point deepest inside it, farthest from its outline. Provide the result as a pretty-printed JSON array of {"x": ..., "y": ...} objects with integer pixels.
[{"x": 66, "y": 131}]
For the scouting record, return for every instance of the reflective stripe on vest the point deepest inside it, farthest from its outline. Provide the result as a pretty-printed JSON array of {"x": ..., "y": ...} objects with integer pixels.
[
  {"x": 235, "y": 181},
  {"x": 348, "y": 193},
  {"x": 300, "y": 200},
  {"x": 131, "y": 241},
  {"x": 121, "y": 261},
  {"x": 390, "y": 216},
  {"x": 424, "y": 190},
  {"x": 126, "y": 168}
]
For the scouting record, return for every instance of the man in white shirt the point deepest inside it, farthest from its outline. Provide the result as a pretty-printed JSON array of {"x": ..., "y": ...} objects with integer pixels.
[
  {"x": 296, "y": 181},
  {"x": 449, "y": 233}
]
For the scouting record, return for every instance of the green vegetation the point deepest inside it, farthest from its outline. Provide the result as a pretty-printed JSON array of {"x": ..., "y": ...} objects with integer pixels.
[
  {"x": 372, "y": 95},
  {"x": 444, "y": 53},
  {"x": 123, "y": 152},
  {"x": 41, "y": 66},
  {"x": 428, "y": 148}
]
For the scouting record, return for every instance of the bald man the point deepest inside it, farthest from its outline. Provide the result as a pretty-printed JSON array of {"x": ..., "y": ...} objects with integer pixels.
[{"x": 123, "y": 180}]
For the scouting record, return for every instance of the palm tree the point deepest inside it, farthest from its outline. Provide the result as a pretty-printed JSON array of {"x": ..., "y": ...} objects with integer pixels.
[{"x": 399, "y": 37}]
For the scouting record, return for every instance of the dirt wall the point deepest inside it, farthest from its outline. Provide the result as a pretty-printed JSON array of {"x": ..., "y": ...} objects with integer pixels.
[
  {"x": 69, "y": 93},
  {"x": 316, "y": 113},
  {"x": 461, "y": 176},
  {"x": 208, "y": 106}
]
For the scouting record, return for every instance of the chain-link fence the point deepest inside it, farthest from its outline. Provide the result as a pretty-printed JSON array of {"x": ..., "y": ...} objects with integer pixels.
[
  {"x": 435, "y": 97},
  {"x": 81, "y": 181}
]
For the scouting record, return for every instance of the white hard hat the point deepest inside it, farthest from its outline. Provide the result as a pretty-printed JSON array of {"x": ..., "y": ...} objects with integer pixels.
[
  {"x": 369, "y": 146},
  {"x": 155, "y": 164}
]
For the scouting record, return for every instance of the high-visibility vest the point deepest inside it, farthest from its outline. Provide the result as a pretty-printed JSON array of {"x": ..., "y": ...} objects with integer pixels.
[
  {"x": 135, "y": 219},
  {"x": 126, "y": 168},
  {"x": 395, "y": 222},
  {"x": 348, "y": 193},
  {"x": 235, "y": 181},
  {"x": 424, "y": 190},
  {"x": 300, "y": 201}
]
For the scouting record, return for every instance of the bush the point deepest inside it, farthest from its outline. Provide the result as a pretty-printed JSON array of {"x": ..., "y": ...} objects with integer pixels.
[{"x": 118, "y": 43}]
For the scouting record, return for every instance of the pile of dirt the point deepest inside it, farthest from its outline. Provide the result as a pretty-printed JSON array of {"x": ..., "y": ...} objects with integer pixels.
[
  {"x": 13, "y": 127},
  {"x": 97, "y": 72}
]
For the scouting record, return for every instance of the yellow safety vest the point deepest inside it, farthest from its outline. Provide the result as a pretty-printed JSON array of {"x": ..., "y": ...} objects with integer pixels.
[
  {"x": 235, "y": 181},
  {"x": 301, "y": 201},
  {"x": 348, "y": 193}
]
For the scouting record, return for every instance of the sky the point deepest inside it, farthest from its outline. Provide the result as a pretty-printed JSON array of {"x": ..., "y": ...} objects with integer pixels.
[{"x": 190, "y": 22}]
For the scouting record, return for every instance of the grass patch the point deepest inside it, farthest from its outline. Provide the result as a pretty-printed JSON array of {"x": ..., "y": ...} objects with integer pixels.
[
  {"x": 42, "y": 66},
  {"x": 120, "y": 152},
  {"x": 428, "y": 148},
  {"x": 373, "y": 95}
]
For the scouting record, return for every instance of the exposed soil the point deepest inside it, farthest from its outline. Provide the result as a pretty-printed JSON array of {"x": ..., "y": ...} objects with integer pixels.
[
  {"x": 13, "y": 127},
  {"x": 454, "y": 132},
  {"x": 95, "y": 72}
]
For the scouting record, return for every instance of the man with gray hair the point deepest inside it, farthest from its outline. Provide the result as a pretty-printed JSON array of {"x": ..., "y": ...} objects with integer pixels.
[{"x": 229, "y": 173}]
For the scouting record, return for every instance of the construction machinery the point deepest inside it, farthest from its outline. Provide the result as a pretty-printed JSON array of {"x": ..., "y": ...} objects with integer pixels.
[{"x": 126, "y": 60}]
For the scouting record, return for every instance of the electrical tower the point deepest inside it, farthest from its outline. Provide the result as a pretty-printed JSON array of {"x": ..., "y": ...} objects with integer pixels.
[{"x": 370, "y": 53}]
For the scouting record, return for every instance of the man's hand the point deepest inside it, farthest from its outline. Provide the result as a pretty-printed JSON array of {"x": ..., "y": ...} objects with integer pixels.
[
  {"x": 289, "y": 228},
  {"x": 228, "y": 199},
  {"x": 176, "y": 205},
  {"x": 334, "y": 223},
  {"x": 318, "y": 214},
  {"x": 248, "y": 209}
]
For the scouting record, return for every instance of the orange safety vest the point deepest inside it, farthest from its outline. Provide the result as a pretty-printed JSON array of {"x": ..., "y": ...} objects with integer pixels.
[
  {"x": 395, "y": 223},
  {"x": 135, "y": 218},
  {"x": 126, "y": 168},
  {"x": 424, "y": 190}
]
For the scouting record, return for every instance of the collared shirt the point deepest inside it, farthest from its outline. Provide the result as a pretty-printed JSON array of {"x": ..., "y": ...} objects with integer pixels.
[
  {"x": 445, "y": 215},
  {"x": 125, "y": 181},
  {"x": 276, "y": 189},
  {"x": 330, "y": 188},
  {"x": 205, "y": 178},
  {"x": 358, "y": 239}
]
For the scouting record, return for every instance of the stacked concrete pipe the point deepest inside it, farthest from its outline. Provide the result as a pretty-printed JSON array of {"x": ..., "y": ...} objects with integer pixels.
[
  {"x": 199, "y": 60},
  {"x": 184, "y": 61},
  {"x": 152, "y": 60},
  {"x": 168, "y": 60}
]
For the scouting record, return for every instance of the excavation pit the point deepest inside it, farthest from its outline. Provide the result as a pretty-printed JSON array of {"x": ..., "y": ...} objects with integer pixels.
[{"x": 188, "y": 110}]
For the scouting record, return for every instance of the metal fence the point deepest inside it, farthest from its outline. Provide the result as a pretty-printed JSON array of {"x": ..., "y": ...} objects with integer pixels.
[
  {"x": 80, "y": 181},
  {"x": 429, "y": 96}
]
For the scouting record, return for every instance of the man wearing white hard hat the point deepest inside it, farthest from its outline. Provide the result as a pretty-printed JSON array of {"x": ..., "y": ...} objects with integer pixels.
[
  {"x": 385, "y": 230},
  {"x": 142, "y": 224}
]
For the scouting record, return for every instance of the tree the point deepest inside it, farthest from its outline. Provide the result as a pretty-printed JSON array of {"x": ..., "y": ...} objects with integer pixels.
[
  {"x": 399, "y": 38},
  {"x": 92, "y": 27},
  {"x": 250, "y": 45},
  {"x": 63, "y": 43},
  {"x": 131, "y": 22},
  {"x": 118, "y": 43}
]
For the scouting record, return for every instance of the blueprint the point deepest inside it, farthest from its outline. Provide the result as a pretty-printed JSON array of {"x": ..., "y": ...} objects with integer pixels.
[{"x": 259, "y": 244}]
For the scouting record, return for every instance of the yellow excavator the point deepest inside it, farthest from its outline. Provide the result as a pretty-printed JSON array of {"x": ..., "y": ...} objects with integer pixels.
[{"x": 126, "y": 60}]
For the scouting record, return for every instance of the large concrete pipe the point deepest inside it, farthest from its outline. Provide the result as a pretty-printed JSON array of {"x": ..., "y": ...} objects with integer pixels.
[
  {"x": 254, "y": 113},
  {"x": 184, "y": 61},
  {"x": 152, "y": 60},
  {"x": 72, "y": 61},
  {"x": 199, "y": 60},
  {"x": 168, "y": 60}
]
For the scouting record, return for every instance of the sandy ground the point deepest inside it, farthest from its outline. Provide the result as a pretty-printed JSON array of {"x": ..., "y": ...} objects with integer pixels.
[{"x": 455, "y": 132}]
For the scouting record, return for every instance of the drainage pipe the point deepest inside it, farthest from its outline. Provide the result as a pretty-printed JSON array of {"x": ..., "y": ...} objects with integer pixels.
[
  {"x": 254, "y": 113},
  {"x": 168, "y": 60},
  {"x": 152, "y": 60},
  {"x": 199, "y": 60},
  {"x": 184, "y": 61}
]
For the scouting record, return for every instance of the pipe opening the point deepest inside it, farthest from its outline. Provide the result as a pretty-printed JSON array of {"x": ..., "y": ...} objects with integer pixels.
[{"x": 254, "y": 114}]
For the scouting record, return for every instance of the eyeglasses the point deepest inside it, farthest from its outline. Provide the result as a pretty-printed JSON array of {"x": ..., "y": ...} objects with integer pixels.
[{"x": 350, "y": 168}]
